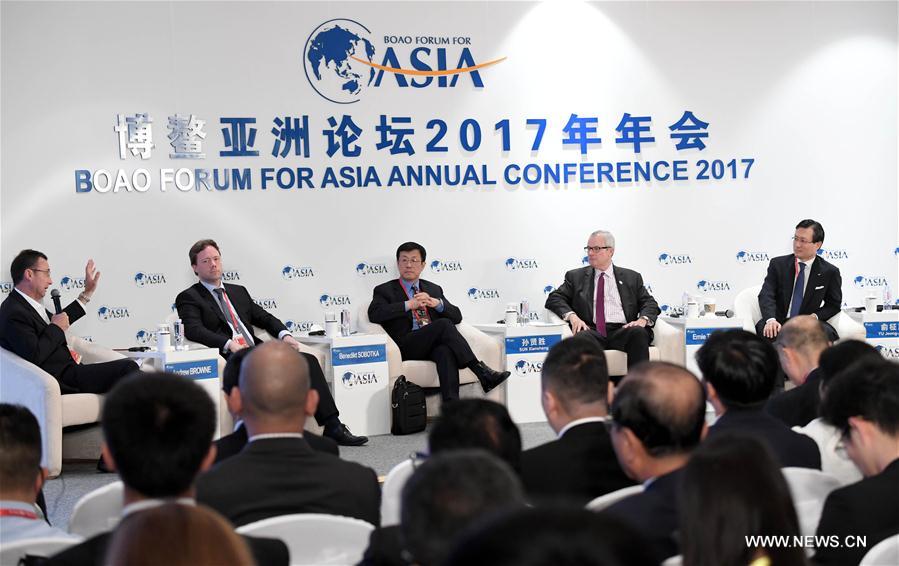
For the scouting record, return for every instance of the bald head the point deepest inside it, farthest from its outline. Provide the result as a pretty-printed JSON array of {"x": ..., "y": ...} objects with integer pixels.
[
  {"x": 803, "y": 333},
  {"x": 274, "y": 383},
  {"x": 663, "y": 405}
]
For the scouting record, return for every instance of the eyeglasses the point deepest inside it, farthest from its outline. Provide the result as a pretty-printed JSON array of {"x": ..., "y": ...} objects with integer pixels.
[
  {"x": 801, "y": 240},
  {"x": 596, "y": 249},
  {"x": 406, "y": 261},
  {"x": 47, "y": 271}
]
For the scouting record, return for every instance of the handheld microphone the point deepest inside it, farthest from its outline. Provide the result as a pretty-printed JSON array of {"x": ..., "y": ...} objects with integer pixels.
[
  {"x": 55, "y": 295},
  {"x": 728, "y": 313}
]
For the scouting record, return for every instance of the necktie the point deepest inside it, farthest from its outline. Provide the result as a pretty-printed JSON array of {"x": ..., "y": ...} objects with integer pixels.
[
  {"x": 421, "y": 313},
  {"x": 798, "y": 291},
  {"x": 600, "y": 317},
  {"x": 220, "y": 295}
]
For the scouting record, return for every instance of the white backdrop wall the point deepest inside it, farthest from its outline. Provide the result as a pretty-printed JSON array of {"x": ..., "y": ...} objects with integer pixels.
[{"x": 807, "y": 90}]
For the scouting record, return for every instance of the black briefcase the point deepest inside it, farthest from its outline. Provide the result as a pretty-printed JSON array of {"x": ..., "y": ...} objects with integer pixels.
[{"x": 410, "y": 413}]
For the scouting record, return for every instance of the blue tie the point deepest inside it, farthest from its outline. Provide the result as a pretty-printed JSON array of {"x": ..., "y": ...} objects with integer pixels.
[{"x": 798, "y": 291}]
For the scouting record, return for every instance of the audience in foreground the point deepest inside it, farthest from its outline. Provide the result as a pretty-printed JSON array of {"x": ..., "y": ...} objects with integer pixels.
[
  {"x": 863, "y": 403},
  {"x": 278, "y": 473},
  {"x": 799, "y": 346},
  {"x": 580, "y": 464},
  {"x": 658, "y": 418},
  {"x": 200, "y": 535},
  {"x": 21, "y": 477},
  {"x": 738, "y": 371},
  {"x": 733, "y": 489},
  {"x": 157, "y": 431},
  {"x": 449, "y": 491}
]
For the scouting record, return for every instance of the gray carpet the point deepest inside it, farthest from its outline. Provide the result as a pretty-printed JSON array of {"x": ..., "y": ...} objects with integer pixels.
[{"x": 380, "y": 454}]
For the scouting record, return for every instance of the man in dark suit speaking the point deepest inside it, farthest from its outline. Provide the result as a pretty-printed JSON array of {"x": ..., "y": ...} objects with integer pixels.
[
  {"x": 422, "y": 322},
  {"x": 34, "y": 334},
  {"x": 800, "y": 283},
  {"x": 221, "y": 315},
  {"x": 619, "y": 313}
]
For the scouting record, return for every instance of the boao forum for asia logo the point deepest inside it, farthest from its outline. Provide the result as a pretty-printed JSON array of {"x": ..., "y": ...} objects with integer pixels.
[{"x": 341, "y": 61}]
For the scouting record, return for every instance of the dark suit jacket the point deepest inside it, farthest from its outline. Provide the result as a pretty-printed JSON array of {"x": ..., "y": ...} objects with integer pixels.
[
  {"x": 823, "y": 293},
  {"x": 388, "y": 307},
  {"x": 798, "y": 406},
  {"x": 790, "y": 448},
  {"x": 578, "y": 291},
  {"x": 578, "y": 467},
  {"x": 280, "y": 476},
  {"x": 654, "y": 513},
  {"x": 24, "y": 333},
  {"x": 204, "y": 321},
  {"x": 867, "y": 508},
  {"x": 92, "y": 552},
  {"x": 385, "y": 548},
  {"x": 228, "y": 446}
]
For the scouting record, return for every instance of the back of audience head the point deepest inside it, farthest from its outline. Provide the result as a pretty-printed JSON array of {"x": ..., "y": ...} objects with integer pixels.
[
  {"x": 21, "y": 474},
  {"x": 274, "y": 389},
  {"x": 574, "y": 381},
  {"x": 862, "y": 401},
  {"x": 231, "y": 379},
  {"x": 176, "y": 535},
  {"x": 733, "y": 488},
  {"x": 799, "y": 345},
  {"x": 740, "y": 367},
  {"x": 446, "y": 493},
  {"x": 658, "y": 411},
  {"x": 477, "y": 423},
  {"x": 550, "y": 537},
  {"x": 840, "y": 356},
  {"x": 158, "y": 432}
]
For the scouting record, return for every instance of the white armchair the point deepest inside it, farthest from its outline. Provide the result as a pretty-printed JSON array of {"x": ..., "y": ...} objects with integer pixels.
[
  {"x": 746, "y": 306},
  {"x": 424, "y": 373},
  {"x": 667, "y": 345},
  {"x": 24, "y": 383}
]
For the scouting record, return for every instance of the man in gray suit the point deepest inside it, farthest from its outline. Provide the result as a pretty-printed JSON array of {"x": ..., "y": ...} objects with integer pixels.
[{"x": 619, "y": 313}]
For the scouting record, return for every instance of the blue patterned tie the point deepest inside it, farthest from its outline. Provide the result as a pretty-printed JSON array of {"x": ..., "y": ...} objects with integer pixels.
[{"x": 798, "y": 291}]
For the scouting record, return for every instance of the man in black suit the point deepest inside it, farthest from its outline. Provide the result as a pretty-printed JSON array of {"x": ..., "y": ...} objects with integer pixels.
[
  {"x": 800, "y": 283},
  {"x": 233, "y": 443},
  {"x": 422, "y": 322},
  {"x": 658, "y": 417},
  {"x": 221, "y": 315},
  {"x": 863, "y": 402},
  {"x": 738, "y": 370},
  {"x": 278, "y": 473},
  {"x": 620, "y": 313},
  {"x": 157, "y": 434},
  {"x": 799, "y": 344},
  {"x": 34, "y": 334},
  {"x": 580, "y": 464}
]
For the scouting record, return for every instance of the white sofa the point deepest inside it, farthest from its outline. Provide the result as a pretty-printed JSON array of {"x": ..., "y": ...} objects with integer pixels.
[
  {"x": 24, "y": 383},
  {"x": 746, "y": 306}
]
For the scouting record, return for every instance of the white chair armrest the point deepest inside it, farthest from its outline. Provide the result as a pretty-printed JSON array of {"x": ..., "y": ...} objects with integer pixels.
[
  {"x": 484, "y": 347},
  {"x": 669, "y": 341},
  {"x": 91, "y": 353},
  {"x": 847, "y": 328}
]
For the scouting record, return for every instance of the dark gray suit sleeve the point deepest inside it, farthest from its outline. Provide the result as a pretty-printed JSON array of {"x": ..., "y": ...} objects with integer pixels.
[
  {"x": 383, "y": 307},
  {"x": 559, "y": 301},
  {"x": 833, "y": 300},
  {"x": 646, "y": 303},
  {"x": 767, "y": 296},
  {"x": 450, "y": 310},
  {"x": 190, "y": 309}
]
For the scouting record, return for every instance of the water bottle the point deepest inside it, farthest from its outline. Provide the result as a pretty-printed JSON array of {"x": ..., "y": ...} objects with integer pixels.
[
  {"x": 345, "y": 322},
  {"x": 178, "y": 334},
  {"x": 887, "y": 296},
  {"x": 524, "y": 312}
]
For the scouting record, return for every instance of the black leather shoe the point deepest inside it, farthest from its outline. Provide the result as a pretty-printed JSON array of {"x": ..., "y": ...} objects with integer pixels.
[
  {"x": 342, "y": 435},
  {"x": 489, "y": 378}
]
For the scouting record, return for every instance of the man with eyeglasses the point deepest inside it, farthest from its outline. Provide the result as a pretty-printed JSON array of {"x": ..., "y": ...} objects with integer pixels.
[
  {"x": 422, "y": 322},
  {"x": 800, "y": 283},
  {"x": 35, "y": 334},
  {"x": 607, "y": 301}
]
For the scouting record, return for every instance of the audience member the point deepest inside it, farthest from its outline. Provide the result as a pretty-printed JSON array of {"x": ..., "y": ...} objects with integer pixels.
[
  {"x": 732, "y": 489},
  {"x": 658, "y": 418},
  {"x": 739, "y": 370},
  {"x": 21, "y": 477},
  {"x": 157, "y": 431},
  {"x": 177, "y": 535},
  {"x": 278, "y": 473},
  {"x": 580, "y": 464},
  {"x": 233, "y": 443},
  {"x": 863, "y": 403},
  {"x": 829, "y": 439},
  {"x": 449, "y": 491},
  {"x": 564, "y": 536},
  {"x": 799, "y": 344}
]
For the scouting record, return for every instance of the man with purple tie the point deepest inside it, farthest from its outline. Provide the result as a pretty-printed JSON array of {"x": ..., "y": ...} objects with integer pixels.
[{"x": 608, "y": 302}]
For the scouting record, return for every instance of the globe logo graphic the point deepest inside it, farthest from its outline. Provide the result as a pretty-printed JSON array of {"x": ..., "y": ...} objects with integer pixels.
[{"x": 329, "y": 64}]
